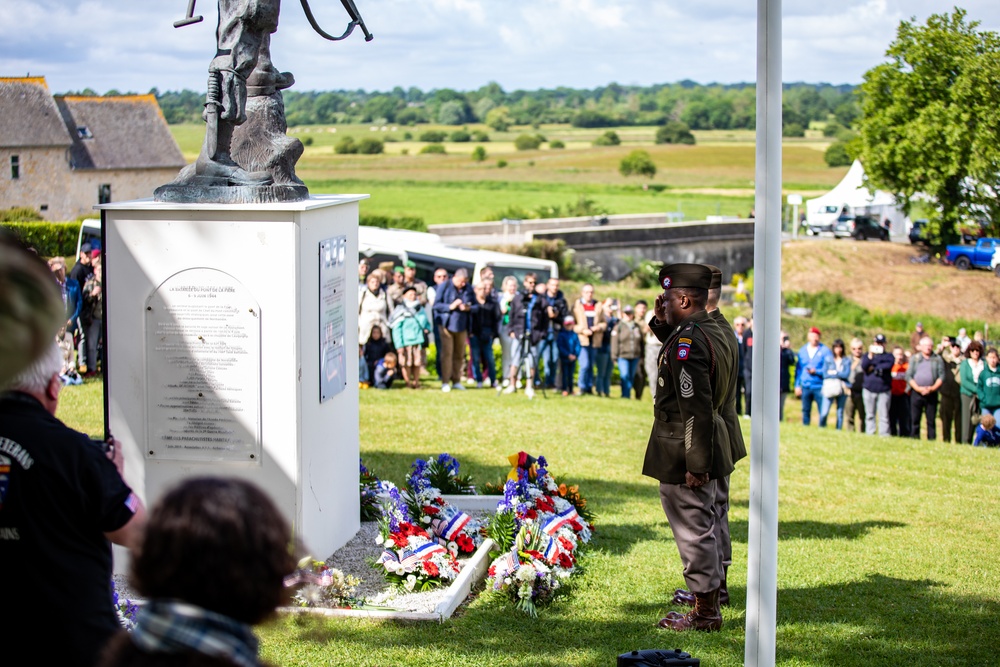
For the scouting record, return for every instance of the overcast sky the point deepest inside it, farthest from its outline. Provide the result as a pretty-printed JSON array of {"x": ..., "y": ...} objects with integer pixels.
[{"x": 131, "y": 45}]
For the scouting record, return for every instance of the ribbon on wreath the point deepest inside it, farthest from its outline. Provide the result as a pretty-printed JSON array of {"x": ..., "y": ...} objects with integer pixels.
[
  {"x": 522, "y": 460},
  {"x": 407, "y": 558},
  {"x": 553, "y": 525},
  {"x": 448, "y": 525}
]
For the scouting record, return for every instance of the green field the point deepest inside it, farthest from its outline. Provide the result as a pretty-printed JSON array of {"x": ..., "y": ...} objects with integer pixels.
[
  {"x": 714, "y": 177},
  {"x": 886, "y": 555}
]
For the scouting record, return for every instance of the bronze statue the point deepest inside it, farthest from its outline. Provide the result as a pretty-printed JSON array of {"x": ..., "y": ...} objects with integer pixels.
[{"x": 246, "y": 156}]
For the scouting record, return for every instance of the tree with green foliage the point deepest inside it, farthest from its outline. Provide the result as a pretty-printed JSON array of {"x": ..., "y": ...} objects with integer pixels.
[
  {"x": 370, "y": 146},
  {"x": 609, "y": 138},
  {"x": 637, "y": 163},
  {"x": 452, "y": 112},
  {"x": 433, "y": 136},
  {"x": 528, "y": 142},
  {"x": 931, "y": 120},
  {"x": 345, "y": 146},
  {"x": 499, "y": 119},
  {"x": 674, "y": 132},
  {"x": 460, "y": 136},
  {"x": 478, "y": 154},
  {"x": 836, "y": 155}
]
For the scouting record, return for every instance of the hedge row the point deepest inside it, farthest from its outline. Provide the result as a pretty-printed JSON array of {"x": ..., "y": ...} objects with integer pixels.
[
  {"x": 59, "y": 238},
  {"x": 47, "y": 238},
  {"x": 385, "y": 222}
]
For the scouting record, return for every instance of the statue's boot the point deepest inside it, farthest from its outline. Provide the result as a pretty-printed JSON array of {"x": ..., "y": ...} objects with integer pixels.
[
  {"x": 705, "y": 617},
  {"x": 222, "y": 167}
]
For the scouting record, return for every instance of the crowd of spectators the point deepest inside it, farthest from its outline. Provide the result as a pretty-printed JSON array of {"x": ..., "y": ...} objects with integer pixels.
[
  {"x": 899, "y": 391},
  {"x": 572, "y": 345},
  {"x": 545, "y": 339},
  {"x": 81, "y": 338}
]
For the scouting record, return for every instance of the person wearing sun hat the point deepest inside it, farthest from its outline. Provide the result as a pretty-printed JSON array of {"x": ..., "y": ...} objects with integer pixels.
[
  {"x": 688, "y": 449},
  {"x": 814, "y": 359},
  {"x": 721, "y": 334}
]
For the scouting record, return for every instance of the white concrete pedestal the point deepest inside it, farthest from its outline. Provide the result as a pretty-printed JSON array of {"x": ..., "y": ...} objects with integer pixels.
[{"x": 236, "y": 391}]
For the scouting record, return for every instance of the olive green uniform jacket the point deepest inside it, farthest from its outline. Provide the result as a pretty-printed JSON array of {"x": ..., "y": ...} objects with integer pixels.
[
  {"x": 721, "y": 333},
  {"x": 689, "y": 434}
]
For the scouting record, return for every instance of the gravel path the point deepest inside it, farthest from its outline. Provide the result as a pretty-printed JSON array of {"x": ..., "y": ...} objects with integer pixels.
[{"x": 352, "y": 559}]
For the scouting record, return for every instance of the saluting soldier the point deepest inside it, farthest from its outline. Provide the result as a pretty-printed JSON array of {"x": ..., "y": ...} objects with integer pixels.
[
  {"x": 688, "y": 449},
  {"x": 727, "y": 354}
]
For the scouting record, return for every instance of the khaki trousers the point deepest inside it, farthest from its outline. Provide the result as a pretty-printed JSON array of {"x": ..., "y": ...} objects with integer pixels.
[
  {"x": 452, "y": 355},
  {"x": 692, "y": 517}
]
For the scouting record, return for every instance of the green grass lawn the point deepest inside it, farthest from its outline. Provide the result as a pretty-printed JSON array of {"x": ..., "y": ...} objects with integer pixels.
[
  {"x": 714, "y": 177},
  {"x": 887, "y": 550}
]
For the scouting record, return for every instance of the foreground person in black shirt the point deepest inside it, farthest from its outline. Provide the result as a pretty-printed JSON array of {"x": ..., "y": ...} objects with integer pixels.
[{"x": 62, "y": 498}]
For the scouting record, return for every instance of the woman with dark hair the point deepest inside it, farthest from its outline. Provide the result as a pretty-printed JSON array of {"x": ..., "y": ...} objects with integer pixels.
[
  {"x": 211, "y": 564},
  {"x": 968, "y": 374}
]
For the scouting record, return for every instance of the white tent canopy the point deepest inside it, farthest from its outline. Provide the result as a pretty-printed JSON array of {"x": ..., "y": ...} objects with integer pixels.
[{"x": 851, "y": 197}]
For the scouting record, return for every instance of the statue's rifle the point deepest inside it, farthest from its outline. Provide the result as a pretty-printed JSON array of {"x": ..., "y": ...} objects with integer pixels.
[{"x": 352, "y": 11}]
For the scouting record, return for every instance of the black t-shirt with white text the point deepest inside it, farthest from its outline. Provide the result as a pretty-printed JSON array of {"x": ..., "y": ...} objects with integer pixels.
[{"x": 59, "y": 494}]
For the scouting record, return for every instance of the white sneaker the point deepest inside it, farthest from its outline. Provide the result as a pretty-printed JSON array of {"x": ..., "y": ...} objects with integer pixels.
[
  {"x": 446, "y": 388},
  {"x": 506, "y": 382},
  {"x": 509, "y": 389},
  {"x": 519, "y": 384},
  {"x": 529, "y": 392},
  {"x": 458, "y": 385},
  {"x": 479, "y": 385},
  {"x": 471, "y": 380}
]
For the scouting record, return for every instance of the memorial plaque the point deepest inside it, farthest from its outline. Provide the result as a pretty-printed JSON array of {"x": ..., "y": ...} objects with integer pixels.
[
  {"x": 202, "y": 335},
  {"x": 332, "y": 317}
]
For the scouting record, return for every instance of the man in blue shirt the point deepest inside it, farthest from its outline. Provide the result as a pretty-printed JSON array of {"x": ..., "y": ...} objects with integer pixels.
[
  {"x": 452, "y": 305},
  {"x": 814, "y": 357}
]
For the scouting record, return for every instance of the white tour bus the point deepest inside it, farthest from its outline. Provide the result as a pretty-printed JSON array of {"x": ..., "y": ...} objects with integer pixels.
[{"x": 429, "y": 252}]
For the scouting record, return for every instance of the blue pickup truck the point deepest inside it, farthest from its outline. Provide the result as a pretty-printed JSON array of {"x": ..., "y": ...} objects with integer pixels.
[{"x": 966, "y": 256}]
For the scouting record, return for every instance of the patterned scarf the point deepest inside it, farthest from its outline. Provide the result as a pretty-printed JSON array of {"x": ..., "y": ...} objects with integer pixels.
[{"x": 169, "y": 626}]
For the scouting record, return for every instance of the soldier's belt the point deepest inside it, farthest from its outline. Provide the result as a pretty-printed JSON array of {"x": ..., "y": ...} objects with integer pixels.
[{"x": 667, "y": 416}]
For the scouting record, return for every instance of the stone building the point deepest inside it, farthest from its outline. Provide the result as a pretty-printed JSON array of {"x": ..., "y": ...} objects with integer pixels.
[{"x": 62, "y": 155}]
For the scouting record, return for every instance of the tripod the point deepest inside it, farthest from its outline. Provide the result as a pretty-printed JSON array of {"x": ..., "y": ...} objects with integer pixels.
[{"x": 526, "y": 364}]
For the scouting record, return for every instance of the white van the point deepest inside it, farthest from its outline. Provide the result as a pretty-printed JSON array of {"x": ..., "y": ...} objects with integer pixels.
[
  {"x": 428, "y": 252},
  {"x": 90, "y": 233}
]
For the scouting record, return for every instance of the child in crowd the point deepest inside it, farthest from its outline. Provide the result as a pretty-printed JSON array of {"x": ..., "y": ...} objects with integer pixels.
[
  {"x": 987, "y": 433},
  {"x": 375, "y": 350},
  {"x": 68, "y": 374},
  {"x": 899, "y": 403},
  {"x": 385, "y": 371},
  {"x": 569, "y": 349},
  {"x": 364, "y": 379}
]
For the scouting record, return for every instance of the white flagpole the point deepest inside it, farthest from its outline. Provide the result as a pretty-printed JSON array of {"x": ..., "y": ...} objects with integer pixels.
[{"x": 762, "y": 565}]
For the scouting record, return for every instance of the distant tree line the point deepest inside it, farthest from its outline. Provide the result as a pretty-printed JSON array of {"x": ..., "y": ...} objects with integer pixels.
[{"x": 700, "y": 107}]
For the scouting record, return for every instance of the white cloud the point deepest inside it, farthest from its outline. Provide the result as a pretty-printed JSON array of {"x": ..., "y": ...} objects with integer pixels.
[{"x": 462, "y": 44}]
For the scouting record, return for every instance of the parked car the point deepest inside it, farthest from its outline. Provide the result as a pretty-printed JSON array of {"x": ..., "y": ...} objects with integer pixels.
[
  {"x": 918, "y": 233},
  {"x": 859, "y": 227},
  {"x": 820, "y": 227},
  {"x": 996, "y": 262},
  {"x": 966, "y": 256}
]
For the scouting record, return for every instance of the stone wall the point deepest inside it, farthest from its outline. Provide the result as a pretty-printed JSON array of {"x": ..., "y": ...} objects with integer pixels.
[
  {"x": 46, "y": 180},
  {"x": 126, "y": 185},
  {"x": 42, "y": 181}
]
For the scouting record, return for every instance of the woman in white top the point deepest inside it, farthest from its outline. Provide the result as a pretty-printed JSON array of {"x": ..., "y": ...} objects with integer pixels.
[
  {"x": 374, "y": 307},
  {"x": 508, "y": 345}
]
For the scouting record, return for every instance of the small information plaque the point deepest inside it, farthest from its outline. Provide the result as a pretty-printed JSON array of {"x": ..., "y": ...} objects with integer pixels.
[
  {"x": 202, "y": 332},
  {"x": 332, "y": 317}
]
